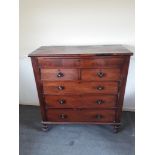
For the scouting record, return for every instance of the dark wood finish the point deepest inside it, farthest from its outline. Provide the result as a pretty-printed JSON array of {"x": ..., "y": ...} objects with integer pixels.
[
  {"x": 80, "y": 101},
  {"x": 46, "y": 62},
  {"x": 74, "y": 87},
  {"x": 95, "y": 123},
  {"x": 45, "y": 127},
  {"x": 122, "y": 88},
  {"x": 101, "y": 74},
  {"x": 102, "y": 62},
  {"x": 82, "y": 51},
  {"x": 60, "y": 115},
  {"x": 96, "y": 62},
  {"x": 59, "y": 74},
  {"x": 60, "y": 88},
  {"x": 116, "y": 128},
  {"x": 39, "y": 87}
]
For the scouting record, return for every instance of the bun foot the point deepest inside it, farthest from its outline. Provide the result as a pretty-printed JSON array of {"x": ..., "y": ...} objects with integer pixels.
[
  {"x": 116, "y": 128},
  {"x": 45, "y": 127}
]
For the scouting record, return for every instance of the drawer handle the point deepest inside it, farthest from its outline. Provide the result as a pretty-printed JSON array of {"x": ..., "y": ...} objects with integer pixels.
[
  {"x": 98, "y": 116},
  {"x": 100, "y": 88},
  {"x": 61, "y": 87},
  {"x": 61, "y": 101},
  {"x": 60, "y": 74},
  {"x": 100, "y": 74},
  {"x": 63, "y": 116},
  {"x": 99, "y": 102}
]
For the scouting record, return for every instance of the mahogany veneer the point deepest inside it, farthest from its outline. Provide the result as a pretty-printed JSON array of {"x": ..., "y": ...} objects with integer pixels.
[
  {"x": 81, "y": 101},
  {"x": 81, "y": 84}
]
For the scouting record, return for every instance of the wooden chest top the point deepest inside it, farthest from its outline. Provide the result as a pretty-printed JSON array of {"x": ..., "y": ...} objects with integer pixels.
[{"x": 93, "y": 50}]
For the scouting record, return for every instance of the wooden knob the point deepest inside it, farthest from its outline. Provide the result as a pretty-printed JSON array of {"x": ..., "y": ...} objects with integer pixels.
[
  {"x": 63, "y": 116},
  {"x": 61, "y": 87},
  {"x": 99, "y": 102},
  {"x": 98, "y": 116},
  {"x": 60, "y": 74},
  {"x": 61, "y": 101},
  {"x": 100, "y": 74},
  {"x": 100, "y": 88}
]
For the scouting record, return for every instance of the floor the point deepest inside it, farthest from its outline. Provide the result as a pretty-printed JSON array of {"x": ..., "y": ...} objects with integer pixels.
[{"x": 74, "y": 139}]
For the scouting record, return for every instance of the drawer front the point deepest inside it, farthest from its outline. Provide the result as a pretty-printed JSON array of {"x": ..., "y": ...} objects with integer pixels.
[
  {"x": 102, "y": 62},
  {"x": 100, "y": 74},
  {"x": 59, "y": 74},
  {"x": 45, "y": 62},
  {"x": 60, "y": 88},
  {"x": 63, "y": 115},
  {"x": 80, "y": 101}
]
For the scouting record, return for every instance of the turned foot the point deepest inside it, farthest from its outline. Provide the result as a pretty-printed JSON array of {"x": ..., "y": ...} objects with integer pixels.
[
  {"x": 45, "y": 127},
  {"x": 116, "y": 128}
]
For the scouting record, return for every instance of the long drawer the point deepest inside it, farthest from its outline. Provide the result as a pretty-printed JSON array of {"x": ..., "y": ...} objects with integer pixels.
[
  {"x": 60, "y": 88},
  {"x": 80, "y": 101},
  {"x": 55, "y": 115},
  {"x": 46, "y": 62}
]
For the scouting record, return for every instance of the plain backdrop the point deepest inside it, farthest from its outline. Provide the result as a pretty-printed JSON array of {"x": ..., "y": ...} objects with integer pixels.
[
  {"x": 73, "y": 22},
  {"x": 145, "y": 75}
]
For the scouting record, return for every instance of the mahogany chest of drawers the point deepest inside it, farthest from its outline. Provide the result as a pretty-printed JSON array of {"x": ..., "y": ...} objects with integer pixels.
[{"x": 81, "y": 84}]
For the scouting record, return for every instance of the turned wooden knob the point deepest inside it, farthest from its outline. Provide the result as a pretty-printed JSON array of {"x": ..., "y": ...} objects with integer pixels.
[
  {"x": 99, "y": 102},
  {"x": 100, "y": 88},
  {"x": 60, "y": 74},
  {"x": 61, "y": 87},
  {"x": 100, "y": 74},
  {"x": 61, "y": 101},
  {"x": 63, "y": 116},
  {"x": 98, "y": 116}
]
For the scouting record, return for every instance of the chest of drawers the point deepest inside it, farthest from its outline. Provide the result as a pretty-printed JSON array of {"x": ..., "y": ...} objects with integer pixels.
[{"x": 81, "y": 84}]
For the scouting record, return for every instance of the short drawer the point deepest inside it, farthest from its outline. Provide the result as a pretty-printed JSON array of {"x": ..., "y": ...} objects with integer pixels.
[
  {"x": 46, "y": 62},
  {"x": 80, "y": 101},
  {"x": 102, "y": 62},
  {"x": 59, "y": 74},
  {"x": 63, "y": 115},
  {"x": 101, "y": 74},
  {"x": 60, "y": 88}
]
